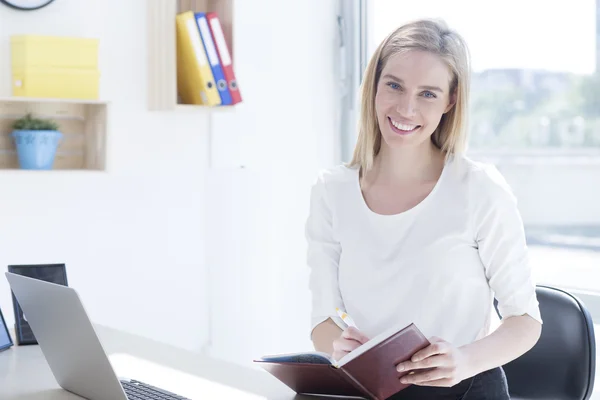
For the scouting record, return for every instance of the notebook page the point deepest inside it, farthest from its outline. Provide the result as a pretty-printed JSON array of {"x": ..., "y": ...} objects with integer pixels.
[{"x": 369, "y": 345}]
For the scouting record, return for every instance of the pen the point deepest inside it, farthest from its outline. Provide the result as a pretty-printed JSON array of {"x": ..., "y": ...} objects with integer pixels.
[{"x": 346, "y": 318}]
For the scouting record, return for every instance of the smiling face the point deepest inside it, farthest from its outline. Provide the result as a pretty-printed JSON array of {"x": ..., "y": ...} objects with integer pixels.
[{"x": 413, "y": 93}]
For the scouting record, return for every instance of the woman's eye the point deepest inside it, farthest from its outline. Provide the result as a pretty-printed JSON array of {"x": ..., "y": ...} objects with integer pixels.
[
  {"x": 393, "y": 85},
  {"x": 429, "y": 95}
]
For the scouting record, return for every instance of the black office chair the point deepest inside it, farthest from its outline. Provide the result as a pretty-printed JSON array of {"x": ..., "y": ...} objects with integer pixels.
[{"x": 562, "y": 364}]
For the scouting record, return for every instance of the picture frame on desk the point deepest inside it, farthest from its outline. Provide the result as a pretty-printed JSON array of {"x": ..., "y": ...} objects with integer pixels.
[
  {"x": 6, "y": 341},
  {"x": 54, "y": 273}
]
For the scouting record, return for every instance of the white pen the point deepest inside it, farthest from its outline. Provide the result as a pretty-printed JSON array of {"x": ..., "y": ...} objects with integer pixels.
[{"x": 346, "y": 318}]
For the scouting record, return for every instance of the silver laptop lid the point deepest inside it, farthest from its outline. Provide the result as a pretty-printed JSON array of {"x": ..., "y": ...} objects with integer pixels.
[{"x": 67, "y": 338}]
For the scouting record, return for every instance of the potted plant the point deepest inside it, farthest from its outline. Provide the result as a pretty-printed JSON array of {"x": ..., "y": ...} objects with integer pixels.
[{"x": 36, "y": 140}]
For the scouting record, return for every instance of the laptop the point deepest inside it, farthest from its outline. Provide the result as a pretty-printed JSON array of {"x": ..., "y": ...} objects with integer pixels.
[{"x": 71, "y": 346}]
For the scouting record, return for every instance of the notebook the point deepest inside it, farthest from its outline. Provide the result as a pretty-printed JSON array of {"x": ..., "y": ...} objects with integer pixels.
[{"x": 369, "y": 371}]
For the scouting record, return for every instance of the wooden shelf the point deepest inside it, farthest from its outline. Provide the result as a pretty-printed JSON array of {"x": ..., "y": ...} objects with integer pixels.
[
  {"x": 197, "y": 108},
  {"x": 83, "y": 124},
  {"x": 162, "y": 54}
]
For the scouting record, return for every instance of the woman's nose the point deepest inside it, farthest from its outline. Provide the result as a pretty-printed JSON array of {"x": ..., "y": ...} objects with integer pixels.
[{"x": 406, "y": 106}]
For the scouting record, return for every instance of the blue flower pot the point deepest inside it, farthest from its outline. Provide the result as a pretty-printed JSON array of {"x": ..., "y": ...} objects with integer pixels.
[{"x": 36, "y": 149}]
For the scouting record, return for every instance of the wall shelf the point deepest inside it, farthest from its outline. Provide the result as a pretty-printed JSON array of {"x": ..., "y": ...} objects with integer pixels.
[
  {"x": 83, "y": 124},
  {"x": 198, "y": 108},
  {"x": 162, "y": 55}
]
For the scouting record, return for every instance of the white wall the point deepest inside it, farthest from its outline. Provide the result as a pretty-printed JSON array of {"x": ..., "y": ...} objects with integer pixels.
[
  {"x": 141, "y": 240},
  {"x": 132, "y": 238},
  {"x": 283, "y": 134}
]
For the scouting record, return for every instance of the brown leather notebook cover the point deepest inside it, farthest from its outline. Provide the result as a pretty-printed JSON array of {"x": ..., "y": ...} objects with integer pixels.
[
  {"x": 369, "y": 371},
  {"x": 312, "y": 378}
]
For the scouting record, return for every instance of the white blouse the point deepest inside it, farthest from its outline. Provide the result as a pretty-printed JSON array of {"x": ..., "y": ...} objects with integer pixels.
[{"x": 438, "y": 265}]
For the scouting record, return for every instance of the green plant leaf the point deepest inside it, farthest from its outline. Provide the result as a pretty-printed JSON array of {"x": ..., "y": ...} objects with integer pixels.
[{"x": 30, "y": 123}]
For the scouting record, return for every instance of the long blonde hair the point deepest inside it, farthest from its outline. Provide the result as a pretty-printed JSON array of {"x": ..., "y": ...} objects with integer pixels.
[{"x": 426, "y": 35}]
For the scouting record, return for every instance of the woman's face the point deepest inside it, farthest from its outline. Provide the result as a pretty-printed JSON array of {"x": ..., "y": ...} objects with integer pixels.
[{"x": 412, "y": 95}]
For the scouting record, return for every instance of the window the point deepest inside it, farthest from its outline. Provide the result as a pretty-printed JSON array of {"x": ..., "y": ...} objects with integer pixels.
[{"x": 535, "y": 114}]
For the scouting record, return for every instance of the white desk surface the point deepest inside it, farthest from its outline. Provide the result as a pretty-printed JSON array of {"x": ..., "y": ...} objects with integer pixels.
[{"x": 25, "y": 374}]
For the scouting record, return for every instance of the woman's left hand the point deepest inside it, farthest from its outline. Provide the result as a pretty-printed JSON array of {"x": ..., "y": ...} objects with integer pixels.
[{"x": 445, "y": 365}]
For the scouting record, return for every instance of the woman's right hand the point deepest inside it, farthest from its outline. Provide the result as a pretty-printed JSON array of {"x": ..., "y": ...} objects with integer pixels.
[{"x": 350, "y": 339}]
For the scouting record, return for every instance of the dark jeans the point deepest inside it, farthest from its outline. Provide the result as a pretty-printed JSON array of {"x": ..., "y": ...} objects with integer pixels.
[{"x": 488, "y": 385}]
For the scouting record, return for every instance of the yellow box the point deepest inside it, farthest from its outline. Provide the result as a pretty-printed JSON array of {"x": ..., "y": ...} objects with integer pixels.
[
  {"x": 53, "y": 51},
  {"x": 61, "y": 83}
]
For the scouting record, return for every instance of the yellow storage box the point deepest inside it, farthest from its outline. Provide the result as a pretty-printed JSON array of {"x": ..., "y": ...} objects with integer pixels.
[
  {"x": 61, "y": 83},
  {"x": 54, "y": 67},
  {"x": 53, "y": 51}
]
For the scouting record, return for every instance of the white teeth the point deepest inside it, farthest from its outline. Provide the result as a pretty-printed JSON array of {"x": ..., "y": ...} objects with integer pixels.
[{"x": 402, "y": 126}]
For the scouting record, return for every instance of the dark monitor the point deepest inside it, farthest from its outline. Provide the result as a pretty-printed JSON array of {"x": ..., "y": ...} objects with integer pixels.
[
  {"x": 5, "y": 339},
  {"x": 55, "y": 273}
]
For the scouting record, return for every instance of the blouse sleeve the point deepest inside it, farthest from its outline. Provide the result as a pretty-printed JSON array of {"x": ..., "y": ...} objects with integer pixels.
[
  {"x": 323, "y": 256},
  {"x": 500, "y": 238}
]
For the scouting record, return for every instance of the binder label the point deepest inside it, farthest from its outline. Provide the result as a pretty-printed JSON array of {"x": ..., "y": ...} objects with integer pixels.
[
  {"x": 220, "y": 39},
  {"x": 210, "y": 47},
  {"x": 195, "y": 39}
]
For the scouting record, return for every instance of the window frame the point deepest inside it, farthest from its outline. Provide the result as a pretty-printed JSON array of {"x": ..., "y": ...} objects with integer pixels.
[{"x": 353, "y": 46}]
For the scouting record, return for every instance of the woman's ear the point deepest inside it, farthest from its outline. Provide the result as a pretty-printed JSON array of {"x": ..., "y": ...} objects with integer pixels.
[{"x": 452, "y": 102}]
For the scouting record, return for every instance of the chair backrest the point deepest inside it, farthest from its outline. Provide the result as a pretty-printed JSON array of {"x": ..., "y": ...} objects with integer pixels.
[{"x": 562, "y": 364}]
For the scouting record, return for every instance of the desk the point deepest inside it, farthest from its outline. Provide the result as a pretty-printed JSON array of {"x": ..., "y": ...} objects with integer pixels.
[{"x": 25, "y": 374}]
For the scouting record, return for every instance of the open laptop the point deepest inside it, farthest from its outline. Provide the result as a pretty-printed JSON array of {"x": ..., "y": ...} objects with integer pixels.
[{"x": 71, "y": 346}]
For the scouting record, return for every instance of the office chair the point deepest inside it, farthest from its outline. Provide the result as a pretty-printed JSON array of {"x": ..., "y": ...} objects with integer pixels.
[{"x": 562, "y": 364}]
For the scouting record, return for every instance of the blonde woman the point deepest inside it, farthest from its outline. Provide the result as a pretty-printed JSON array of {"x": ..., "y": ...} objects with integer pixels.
[{"x": 411, "y": 230}]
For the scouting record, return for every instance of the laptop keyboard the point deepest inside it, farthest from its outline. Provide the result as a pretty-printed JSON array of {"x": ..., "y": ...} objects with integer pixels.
[{"x": 136, "y": 390}]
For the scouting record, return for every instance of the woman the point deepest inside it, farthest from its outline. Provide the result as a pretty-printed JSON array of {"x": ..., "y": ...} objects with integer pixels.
[{"x": 414, "y": 231}]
